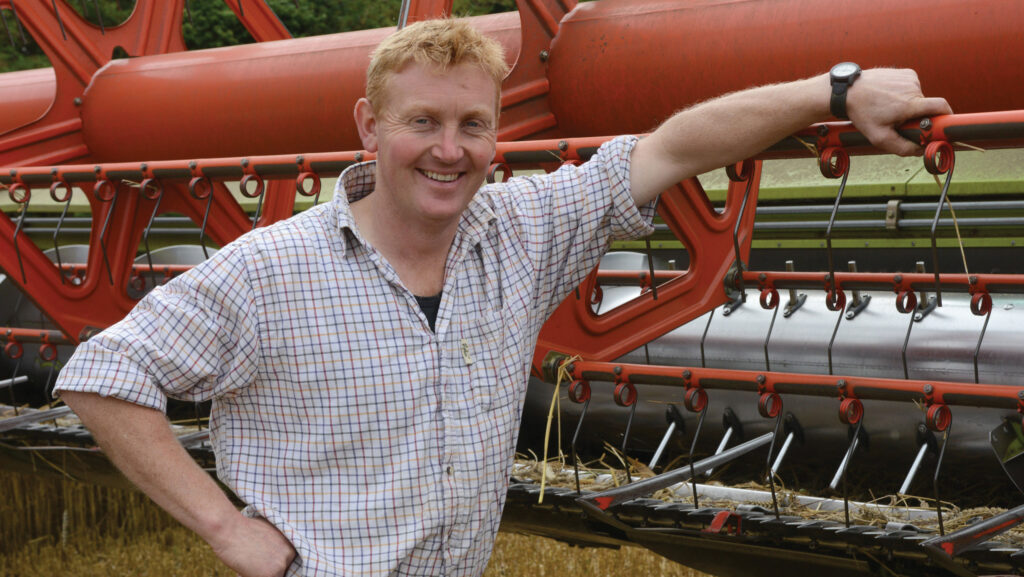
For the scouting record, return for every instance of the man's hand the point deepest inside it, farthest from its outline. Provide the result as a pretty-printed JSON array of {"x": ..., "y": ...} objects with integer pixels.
[
  {"x": 884, "y": 98},
  {"x": 253, "y": 548}
]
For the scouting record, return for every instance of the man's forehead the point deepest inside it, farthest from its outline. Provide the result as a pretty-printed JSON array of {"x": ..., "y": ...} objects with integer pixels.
[{"x": 412, "y": 67}]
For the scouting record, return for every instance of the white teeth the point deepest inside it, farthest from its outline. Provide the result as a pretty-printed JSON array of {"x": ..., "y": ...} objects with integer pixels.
[{"x": 440, "y": 177}]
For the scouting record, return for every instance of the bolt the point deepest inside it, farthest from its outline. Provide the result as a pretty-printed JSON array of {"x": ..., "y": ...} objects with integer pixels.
[
  {"x": 300, "y": 159},
  {"x": 760, "y": 379},
  {"x": 926, "y": 124},
  {"x": 359, "y": 157},
  {"x": 823, "y": 130},
  {"x": 1020, "y": 395},
  {"x": 973, "y": 279},
  {"x": 544, "y": 55},
  {"x": 77, "y": 101},
  {"x": 192, "y": 165},
  {"x": 618, "y": 370},
  {"x": 143, "y": 167},
  {"x": 928, "y": 389},
  {"x": 53, "y": 172},
  {"x": 563, "y": 145},
  {"x": 571, "y": 367},
  {"x": 841, "y": 384},
  {"x": 897, "y": 279},
  {"x": 97, "y": 169},
  {"x": 762, "y": 277},
  {"x": 245, "y": 162},
  {"x": 688, "y": 374}
]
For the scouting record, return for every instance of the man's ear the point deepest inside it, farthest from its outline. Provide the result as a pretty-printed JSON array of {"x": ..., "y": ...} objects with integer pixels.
[{"x": 366, "y": 123}]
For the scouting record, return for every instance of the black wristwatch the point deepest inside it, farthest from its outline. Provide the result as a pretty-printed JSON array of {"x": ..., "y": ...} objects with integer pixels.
[{"x": 842, "y": 75}]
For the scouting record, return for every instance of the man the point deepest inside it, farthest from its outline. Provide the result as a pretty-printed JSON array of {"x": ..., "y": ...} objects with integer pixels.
[{"x": 368, "y": 358}]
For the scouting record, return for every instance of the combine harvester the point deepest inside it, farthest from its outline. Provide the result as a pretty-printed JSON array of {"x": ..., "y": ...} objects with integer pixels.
[{"x": 850, "y": 321}]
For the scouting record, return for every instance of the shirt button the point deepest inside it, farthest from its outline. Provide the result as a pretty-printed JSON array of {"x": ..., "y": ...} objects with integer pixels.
[{"x": 450, "y": 470}]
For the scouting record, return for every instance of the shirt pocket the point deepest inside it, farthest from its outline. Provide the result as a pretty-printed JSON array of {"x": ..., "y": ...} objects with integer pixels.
[{"x": 484, "y": 351}]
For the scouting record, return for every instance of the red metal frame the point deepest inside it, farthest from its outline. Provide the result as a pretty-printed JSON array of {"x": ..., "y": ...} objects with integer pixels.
[{"x": 840, "y": 387}]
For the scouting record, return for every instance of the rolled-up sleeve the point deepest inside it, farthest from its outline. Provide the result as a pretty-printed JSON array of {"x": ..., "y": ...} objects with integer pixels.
[{"x": 194, "y": 339}]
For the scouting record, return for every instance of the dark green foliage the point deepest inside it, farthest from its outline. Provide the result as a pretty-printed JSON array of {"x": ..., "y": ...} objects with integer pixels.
[{"x": 212, "y": 23}]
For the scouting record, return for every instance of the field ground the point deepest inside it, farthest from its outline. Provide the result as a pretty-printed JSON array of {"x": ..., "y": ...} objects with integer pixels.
[{"x": 53, "y": 527}]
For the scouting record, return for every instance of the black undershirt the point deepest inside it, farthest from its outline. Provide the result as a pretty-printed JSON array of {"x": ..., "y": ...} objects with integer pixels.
[{"x": 429, "y": 306}]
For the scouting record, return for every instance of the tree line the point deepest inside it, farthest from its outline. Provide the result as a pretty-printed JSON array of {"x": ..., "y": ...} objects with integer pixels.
[{"x": 211, "y": 23}]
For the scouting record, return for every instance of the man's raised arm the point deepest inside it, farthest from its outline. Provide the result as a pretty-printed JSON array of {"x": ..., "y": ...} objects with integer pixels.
[
  {"x": 734, "y": 127},
  {"x": 139, "y": 440}
]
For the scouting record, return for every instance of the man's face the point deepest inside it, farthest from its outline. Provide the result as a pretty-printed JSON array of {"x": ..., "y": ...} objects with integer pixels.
[{"x": 434, "y": 136}]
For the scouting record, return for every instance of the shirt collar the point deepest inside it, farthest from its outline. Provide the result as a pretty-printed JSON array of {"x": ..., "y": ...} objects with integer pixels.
[{"x": 359, "y": 180}]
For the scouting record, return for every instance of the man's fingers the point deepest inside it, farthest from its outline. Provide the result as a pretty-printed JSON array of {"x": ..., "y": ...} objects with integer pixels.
[
  {"x": 931, "y": 107},
  {"x": 888, "y": 140}
]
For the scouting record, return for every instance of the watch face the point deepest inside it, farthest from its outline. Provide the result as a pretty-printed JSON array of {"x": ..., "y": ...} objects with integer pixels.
[{"x": 844, "y": 69}]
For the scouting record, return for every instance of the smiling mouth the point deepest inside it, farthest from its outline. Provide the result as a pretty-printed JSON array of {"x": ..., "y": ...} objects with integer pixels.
[{"x": 441, "y": 177}]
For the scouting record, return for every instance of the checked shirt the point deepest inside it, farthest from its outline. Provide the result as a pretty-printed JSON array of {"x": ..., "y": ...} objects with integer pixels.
[{"x": 376, "y": 446}]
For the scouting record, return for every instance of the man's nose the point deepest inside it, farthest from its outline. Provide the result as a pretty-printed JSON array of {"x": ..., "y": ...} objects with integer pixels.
[{"x": 449, "y": 149}]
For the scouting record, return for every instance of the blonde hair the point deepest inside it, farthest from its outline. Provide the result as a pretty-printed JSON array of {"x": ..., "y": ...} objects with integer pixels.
[{"x": 440, "y": 43}]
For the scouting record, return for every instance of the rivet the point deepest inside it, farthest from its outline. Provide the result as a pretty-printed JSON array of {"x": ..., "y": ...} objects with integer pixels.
[
  {"x": 618, "y": 370},
  {"x": 77, "y": 101},
  {"x": 544, "y": 55},
  {"x": 359, "y": 157},
  {"x": 823, "y": 130},
  {"x": 926, "y": 124},
  {"x": 688, "y": 374},
  {"x": 928, "y": 389},
  {"x": 760, "y": 379},
  {"x": 563, "y": 145}
]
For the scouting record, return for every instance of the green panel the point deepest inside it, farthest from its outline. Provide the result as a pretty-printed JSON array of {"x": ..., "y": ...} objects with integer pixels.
[{"x": 883, "y": 177}]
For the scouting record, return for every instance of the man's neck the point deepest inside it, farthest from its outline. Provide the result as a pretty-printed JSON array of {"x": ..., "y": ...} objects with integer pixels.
[{"x": 417, "y": 249}]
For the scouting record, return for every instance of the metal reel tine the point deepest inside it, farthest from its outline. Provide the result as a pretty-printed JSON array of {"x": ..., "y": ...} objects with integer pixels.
[
  {"x": 579, "y": 392},
  {"x": 17, "y": 21},
  {"x": 15, "y": 351},
  {"x": 24, "y": 201},
  {"x": 935, "y": 479},
  {"x": 152, "y": 218},
  {"x": 3, "y": 16},
  {"x": 939, "y": 158},
  {"x": 572, "y": 447},
  {"x": 60, "y": 22},
  {"x": 650, "y": 269},
  {"x": 60, "y": 223},
  {"x": 693, "y": 447}
]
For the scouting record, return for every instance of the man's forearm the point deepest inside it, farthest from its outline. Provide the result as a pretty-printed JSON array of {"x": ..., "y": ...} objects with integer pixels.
[
  {"x": 140, "y": 442},
  {"x": 726, "y": 130}
]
